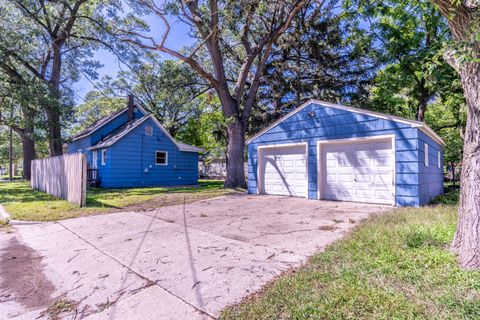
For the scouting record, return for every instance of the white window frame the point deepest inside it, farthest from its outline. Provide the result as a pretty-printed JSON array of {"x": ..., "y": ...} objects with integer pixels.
[
  {"x": 104, "y": 156},
  {"x": 147, "y": 132},
  {"x": 94, "y": 159},
  {"x": 439, "y": 159},
  {"x": 166, "y": 158},
  {"x": 425, "y": 150}
]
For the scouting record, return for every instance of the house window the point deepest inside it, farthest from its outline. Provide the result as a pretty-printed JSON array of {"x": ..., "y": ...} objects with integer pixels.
[
  {"x": 148, "y": 130},
  {"x": 104, "y": 157},
  {"x": 426, "y": 155},
  {"x": 161, "y": 158},
  {"x": 94, "y": 159},
  {"x": 439, "y": 159}
]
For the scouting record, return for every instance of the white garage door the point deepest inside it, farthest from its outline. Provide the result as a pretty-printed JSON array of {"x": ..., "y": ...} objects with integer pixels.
[
  {"x": 284, "y": 170},
  {"x": 362, "y": 172}
]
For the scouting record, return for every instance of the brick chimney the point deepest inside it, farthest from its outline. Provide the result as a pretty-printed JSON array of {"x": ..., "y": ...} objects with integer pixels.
[{"x": 131, "y": 106}]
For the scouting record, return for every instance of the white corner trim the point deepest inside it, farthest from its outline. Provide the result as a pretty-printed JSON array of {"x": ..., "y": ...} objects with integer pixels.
[
  {"x": 413, "y": 123},
  {"x": 320, "y": 143},
  {"x": 276, "y": 146}
]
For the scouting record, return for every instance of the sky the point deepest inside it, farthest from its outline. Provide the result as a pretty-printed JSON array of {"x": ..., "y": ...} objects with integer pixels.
[{"x": 178, "y": 38}]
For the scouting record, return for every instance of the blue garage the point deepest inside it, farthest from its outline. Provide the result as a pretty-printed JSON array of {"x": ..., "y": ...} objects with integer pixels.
[{"x": 333, "y": 152}]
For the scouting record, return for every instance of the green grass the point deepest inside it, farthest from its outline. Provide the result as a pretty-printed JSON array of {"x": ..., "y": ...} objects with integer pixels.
[
  {"x": 393, "y": 266},
  {"x": 23, "y": 203}
]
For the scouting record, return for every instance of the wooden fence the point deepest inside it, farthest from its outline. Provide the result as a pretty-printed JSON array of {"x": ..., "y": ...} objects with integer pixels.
[{"x": 63, "y": 177}]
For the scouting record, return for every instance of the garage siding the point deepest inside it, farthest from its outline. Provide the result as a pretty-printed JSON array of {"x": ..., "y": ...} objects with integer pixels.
[
  {"x": 431, "y": 177},
  {"x": 330, "y": 123}
]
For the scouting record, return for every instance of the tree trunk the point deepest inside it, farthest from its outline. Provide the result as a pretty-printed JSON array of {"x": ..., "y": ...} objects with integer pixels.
[
  {"x": 53, "y": 109},
  {"x": 452, "y": 164},
  {"x": 467, "y": 238},
  {"x": 54, "y": 132},
  {"x": 10, "y": 153},
  {"x": 422, "y": 101},
  {"x": 235, "y": 155},
  {"x": 28, "y": 146}
]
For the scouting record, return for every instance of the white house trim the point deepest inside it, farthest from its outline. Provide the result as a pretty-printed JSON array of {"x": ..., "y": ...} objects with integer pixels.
[
  {"x": 165, "y": 132},
  {"x": 166, "y": 158},
  {"x": 122, "y": 135},
  {"x": 260, "y": 177},
  {"x": 349, "y": 141},
  {"x": 414, "y": 124},
  {"x": 102, "y": 124}
]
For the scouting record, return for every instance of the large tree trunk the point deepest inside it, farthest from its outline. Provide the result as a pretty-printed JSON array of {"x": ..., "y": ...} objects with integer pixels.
[
  {"x": 467, "y": 238},
  {"x": 53, "y": 110},
  {"x": 235, "y": 155},
  {"x": 29, "y": 154},
  {"x": 422, "y": 101},
  {"x": 54, "y": 131}
]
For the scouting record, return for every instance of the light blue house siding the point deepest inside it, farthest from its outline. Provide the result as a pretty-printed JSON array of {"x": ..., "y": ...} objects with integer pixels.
[
  {"x": 131, "y": 161},
  {"x": 415, "y": 183}
]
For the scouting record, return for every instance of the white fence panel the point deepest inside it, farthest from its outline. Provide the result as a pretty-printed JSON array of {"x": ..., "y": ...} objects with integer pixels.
[{"x": 63, "y": 177}]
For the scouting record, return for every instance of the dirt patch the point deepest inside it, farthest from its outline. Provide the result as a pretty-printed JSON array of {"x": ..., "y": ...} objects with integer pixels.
[
  {"x": 172, "y": 199},
  {"x": 22, "y": 278}
]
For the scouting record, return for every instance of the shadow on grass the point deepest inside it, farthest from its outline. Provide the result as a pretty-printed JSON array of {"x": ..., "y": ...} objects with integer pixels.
[{"x": 450, "y": 197}]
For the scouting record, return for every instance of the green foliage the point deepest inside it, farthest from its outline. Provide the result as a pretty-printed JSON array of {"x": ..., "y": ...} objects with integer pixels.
[
  {"x": 169, "y": 89},
  {"x": 448, "y": 119},
  {"x": 411, "y": 35},
  {"x": 323, "y": 55},
  {"x": 208, "y": 130},
  {"x": 4, "y": 147},
  {"x": 95, "y": 107}
]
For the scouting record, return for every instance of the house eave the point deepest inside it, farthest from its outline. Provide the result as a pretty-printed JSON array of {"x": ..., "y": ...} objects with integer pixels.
[{"x": 413, "y": 123}]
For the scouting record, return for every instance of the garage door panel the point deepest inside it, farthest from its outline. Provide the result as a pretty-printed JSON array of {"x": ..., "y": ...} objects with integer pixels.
[
  {"x": 339, "y": 193},
  {"x": 363, "y": 193},
  {"x": 358, "y": 171},
  {"x": 285, "y": 171}
]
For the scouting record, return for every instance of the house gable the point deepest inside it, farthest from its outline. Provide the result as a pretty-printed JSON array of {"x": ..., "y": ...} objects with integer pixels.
[
  {"x": 131, "y": 160},
  {"x": 330, "y": 114},
  {"x": 316, "y": 122}
]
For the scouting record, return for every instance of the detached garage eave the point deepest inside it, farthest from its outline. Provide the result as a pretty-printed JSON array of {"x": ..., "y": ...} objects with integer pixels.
[{"x": 413, "y": 123}]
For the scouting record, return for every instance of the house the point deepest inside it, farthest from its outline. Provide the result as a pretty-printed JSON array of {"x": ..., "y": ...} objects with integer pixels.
[
  {"x": 328, "y": 151},
  {"x": 130, "y": 148}
]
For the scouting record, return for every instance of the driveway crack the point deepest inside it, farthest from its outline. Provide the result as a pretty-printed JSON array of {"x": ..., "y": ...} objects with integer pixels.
[{"x": 149, "y": 281}]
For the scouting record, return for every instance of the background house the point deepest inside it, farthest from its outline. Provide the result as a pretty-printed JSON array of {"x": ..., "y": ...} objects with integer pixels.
[
  {"x": 130, "y": 148},
  {"x": 334, "y": 152}
]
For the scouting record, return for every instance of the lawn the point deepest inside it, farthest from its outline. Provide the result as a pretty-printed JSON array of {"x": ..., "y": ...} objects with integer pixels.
[
  {"x": 23, "y": 203},
  {"x": 393, "y": 266}
]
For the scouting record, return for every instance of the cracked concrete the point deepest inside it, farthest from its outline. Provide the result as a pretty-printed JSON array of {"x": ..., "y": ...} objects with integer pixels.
[{"x": 179, "y": 262}]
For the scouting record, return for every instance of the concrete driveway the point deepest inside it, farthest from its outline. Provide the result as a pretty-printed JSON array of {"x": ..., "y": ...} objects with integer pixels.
[{"x": 180, "y": 262}]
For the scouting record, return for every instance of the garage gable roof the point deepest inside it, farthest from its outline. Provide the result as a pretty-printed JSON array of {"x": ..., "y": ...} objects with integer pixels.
[{"x": 413, "y": 123}]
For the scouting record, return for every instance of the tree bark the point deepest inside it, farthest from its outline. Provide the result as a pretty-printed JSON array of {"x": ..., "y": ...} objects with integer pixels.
[
  {"x": 422, "y": 101},
  {"x": 235, "y": 155},
  {"x": 467, "y": 237},
  {"x": 29, "y": 154},
  {"x": 52, "y": 110}
]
